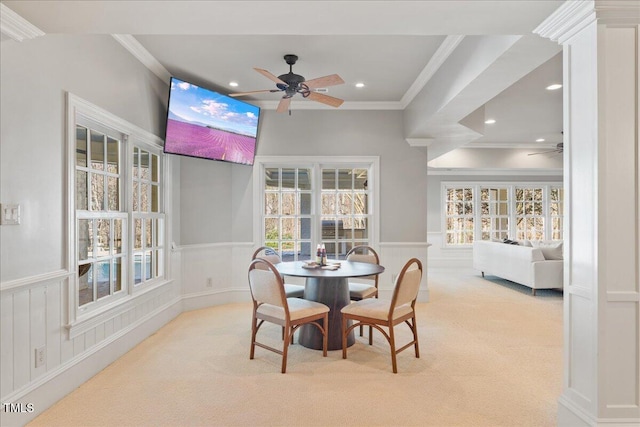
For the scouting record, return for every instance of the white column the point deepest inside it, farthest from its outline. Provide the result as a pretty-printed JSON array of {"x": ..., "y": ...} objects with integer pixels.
[{"x": 602, "y": 218}]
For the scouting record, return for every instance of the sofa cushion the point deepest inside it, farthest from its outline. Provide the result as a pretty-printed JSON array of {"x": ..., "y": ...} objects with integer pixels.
[{"x": 551, "y": 249}]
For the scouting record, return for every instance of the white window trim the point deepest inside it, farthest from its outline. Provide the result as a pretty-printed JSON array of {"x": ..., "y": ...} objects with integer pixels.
[
  {"x": 315, "y": 162},
  {"x": 511, "y": 186},
  {"x": 80, "y": 320}
]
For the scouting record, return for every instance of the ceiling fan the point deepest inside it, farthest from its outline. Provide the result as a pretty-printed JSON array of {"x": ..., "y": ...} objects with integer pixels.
[
  {"x": 292, "y": 84},
  {"x": 559, "y": 149}
]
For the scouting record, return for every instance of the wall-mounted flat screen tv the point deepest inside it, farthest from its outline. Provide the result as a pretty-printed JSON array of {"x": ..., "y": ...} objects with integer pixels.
[{"x": 206, "y": 124}]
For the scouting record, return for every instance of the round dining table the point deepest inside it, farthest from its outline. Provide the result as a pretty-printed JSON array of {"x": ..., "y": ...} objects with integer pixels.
[{"x": 330, "y": 287}]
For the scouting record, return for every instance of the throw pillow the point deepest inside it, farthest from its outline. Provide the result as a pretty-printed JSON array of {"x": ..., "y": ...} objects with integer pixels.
[
  {"x": 510, "y": 242},
  {"x": 551, "y": 249}
]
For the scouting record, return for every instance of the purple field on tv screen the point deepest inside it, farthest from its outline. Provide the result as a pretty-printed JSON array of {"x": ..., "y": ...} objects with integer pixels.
[
  {"x": 201, "y": 141},
  {"x": 207, "y": 124}
]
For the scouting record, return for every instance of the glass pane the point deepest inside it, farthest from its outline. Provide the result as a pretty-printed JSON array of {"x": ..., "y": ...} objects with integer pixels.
[
  {"x": 113, "y": 197},
  {"x": 144, "y": 165},
  {"x": 85, "y": 239},
  {"x": 328, "y": 203},
  {"x": 117, "y": 274},
  {"x": 360, "y": 203},
  {"x": 136, "y": 161},
  {"x": 137, "y": 268},
  {"x": 147, "y": 265},
  {"x": 345, "y": 179},
  {"x": 304, "y": 228},
  {"x": 304, "y": 251},
  {"x": 271, "y": 203},
  {"x": 360, "y": 228},
  {"x": 81, "y": 146},
  {"x": 288, "y": 179},
  {"x": 360, "y": 178},
  {"x": 137, "y": 233},
  {"x": 271, "y": 176},
  {"x": 155, "y": 198},
  {"x": 331, "y": 248},
  {"x": 113, "y": 155},
  {"x": 304, "y": 179},
  {"x": 82, "y": 202},
  {"x": 304, "y": 207},
  {"x": 148, "y": 230},
  {"x": 144, "y": 197},
  {"x": 288, "y": 228},
  {"x": 103, "y": 243},
  {"x": 271, "y": 229},
  {"x": 328, "y": 179},
  {"x": 154, "y": 168},
  {"x": 329, "y": 228},
  {"x": 135, "y": 197},
  {"x": 288, "y": 203},
  {"x": 85, "y": 284},
  {"x": 159, "y": 263},
  {"x": 345, "y": 206},
  {"x": 103, "y": 270},
  {"x": 97, "y": 150},
  {"x": 117, "y": 236},
  {"x": 97, "y": 192}
]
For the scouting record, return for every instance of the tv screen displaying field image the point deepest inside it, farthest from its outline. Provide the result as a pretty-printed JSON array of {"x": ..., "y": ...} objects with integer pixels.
[{"x": 206, "y": 124}]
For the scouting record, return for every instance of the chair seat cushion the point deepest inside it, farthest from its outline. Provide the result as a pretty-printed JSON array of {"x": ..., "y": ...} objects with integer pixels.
[
  {"x": 360, "y": 291},
  {"x": 375, "y": 309},
  {"x": 294, "y": 291},
  {"x": 298, "y": 308}
]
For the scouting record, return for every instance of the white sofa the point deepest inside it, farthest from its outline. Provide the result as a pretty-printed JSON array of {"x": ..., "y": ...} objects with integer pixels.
[{"x": 521, "y": 264}]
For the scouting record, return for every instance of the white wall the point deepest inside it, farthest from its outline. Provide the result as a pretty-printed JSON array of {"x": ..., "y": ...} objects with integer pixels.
[{"x": 34, "y": 270}]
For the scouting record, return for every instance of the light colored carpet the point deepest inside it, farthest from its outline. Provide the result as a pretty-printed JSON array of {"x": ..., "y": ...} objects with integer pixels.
[{"x": 491, "y": 355}]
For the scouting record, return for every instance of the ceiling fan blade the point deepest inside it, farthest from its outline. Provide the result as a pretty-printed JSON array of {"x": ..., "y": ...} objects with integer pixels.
[
  {"x": 269, "y": 76},
  {"x": 252, "y": 92},
  {"x": 325, "y": 81},
  {"x": 283, "y": 105},
  {"x": 325, "y": 99},
  {"x": 544, "y": 152}
]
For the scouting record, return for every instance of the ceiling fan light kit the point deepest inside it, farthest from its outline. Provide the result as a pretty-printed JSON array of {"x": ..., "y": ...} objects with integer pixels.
[{"x": 292, "y": 84}]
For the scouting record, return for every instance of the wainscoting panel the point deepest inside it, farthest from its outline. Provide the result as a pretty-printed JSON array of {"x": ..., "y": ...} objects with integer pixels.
[
  {"x": 444, "y": 257},
  {"x": 393, "y": 256}
]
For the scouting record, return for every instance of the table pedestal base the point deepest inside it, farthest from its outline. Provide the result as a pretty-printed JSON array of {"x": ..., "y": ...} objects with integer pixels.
[{"x": 334, "y": 293}]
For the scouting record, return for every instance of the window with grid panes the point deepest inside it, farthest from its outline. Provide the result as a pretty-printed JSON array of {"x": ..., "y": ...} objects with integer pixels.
[
  {"x": 494, "y": 211},
  {"x": 119, "y": 219},
  {"x": 459, "y": 216},
  {"x": 345, "y": 212},
  {"x": 287, "y": 211},
  {"x": 100, "y": 219},
  {"x": 530, "y": 213},
  {"x": 556, "y": 200}
]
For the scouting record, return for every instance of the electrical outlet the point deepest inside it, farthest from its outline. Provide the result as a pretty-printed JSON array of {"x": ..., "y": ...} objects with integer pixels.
[
  {"x": 209, "y": 282},
  {"x": 40, "y": 356}
]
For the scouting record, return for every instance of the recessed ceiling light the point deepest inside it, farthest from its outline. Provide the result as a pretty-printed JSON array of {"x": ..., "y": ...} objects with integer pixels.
[
  {"x": 554, "y": 86},
  {"x": 490, "y": 121},
  {"x": 359, "y": 84},
  {"x": 233, "y": 84},
  {"x": 540, "y": 140}
]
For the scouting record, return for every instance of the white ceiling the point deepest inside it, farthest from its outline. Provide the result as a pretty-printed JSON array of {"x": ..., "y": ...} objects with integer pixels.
[{"x": 395, "y": 47}]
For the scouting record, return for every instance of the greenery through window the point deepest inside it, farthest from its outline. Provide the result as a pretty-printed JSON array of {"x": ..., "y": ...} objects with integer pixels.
[
  {"x": 514, "y": 211},
  {"x": 307, "y": 205}
]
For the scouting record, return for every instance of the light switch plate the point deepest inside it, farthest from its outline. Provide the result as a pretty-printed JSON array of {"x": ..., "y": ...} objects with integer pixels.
[{"x": 10, "y": 214}]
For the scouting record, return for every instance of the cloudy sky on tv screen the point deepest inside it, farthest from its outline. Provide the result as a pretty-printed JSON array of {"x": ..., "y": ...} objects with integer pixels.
[{"x": 206, "y": 124}]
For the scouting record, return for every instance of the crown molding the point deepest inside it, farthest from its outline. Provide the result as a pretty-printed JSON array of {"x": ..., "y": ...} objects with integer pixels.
[
  {"x": 446, "y": 48},
  {"x": 310, "y": 105},
  {"x": 574, "y": 15},
  {"x": 496, "y": 171},
  {"x": 141, "y": 54},
  {"x": 514, "y": 145},
  {"x": 420, "y": 142},
  {"x": 16, "y": 27}
]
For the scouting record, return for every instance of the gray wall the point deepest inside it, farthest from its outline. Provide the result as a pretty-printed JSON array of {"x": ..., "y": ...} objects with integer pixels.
[
  {"x": 35, "y": 75},
  {"x": 403, "y": 179}
]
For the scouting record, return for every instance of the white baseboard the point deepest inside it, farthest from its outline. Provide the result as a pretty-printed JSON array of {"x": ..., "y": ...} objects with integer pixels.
[{"x": 196, "y": 301}]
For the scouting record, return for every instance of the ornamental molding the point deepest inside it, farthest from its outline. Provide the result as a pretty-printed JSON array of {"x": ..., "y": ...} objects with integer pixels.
[{"x": 16, "y": 27}]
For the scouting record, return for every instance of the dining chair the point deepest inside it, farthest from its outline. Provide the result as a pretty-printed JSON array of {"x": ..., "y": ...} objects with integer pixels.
[
  {"x": 265, "y": 252},
  {"x": 270, "y": 304},
  {"x": 358, "y": 290},
  {"x": 380, "y": 313}
]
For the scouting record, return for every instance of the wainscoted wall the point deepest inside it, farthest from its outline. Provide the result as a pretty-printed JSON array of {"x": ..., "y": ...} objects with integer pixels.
[
  {"x": 441, "y": 257},
  {"x": 33, "y": 314},
  {"x": 216, "y": 273}
]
